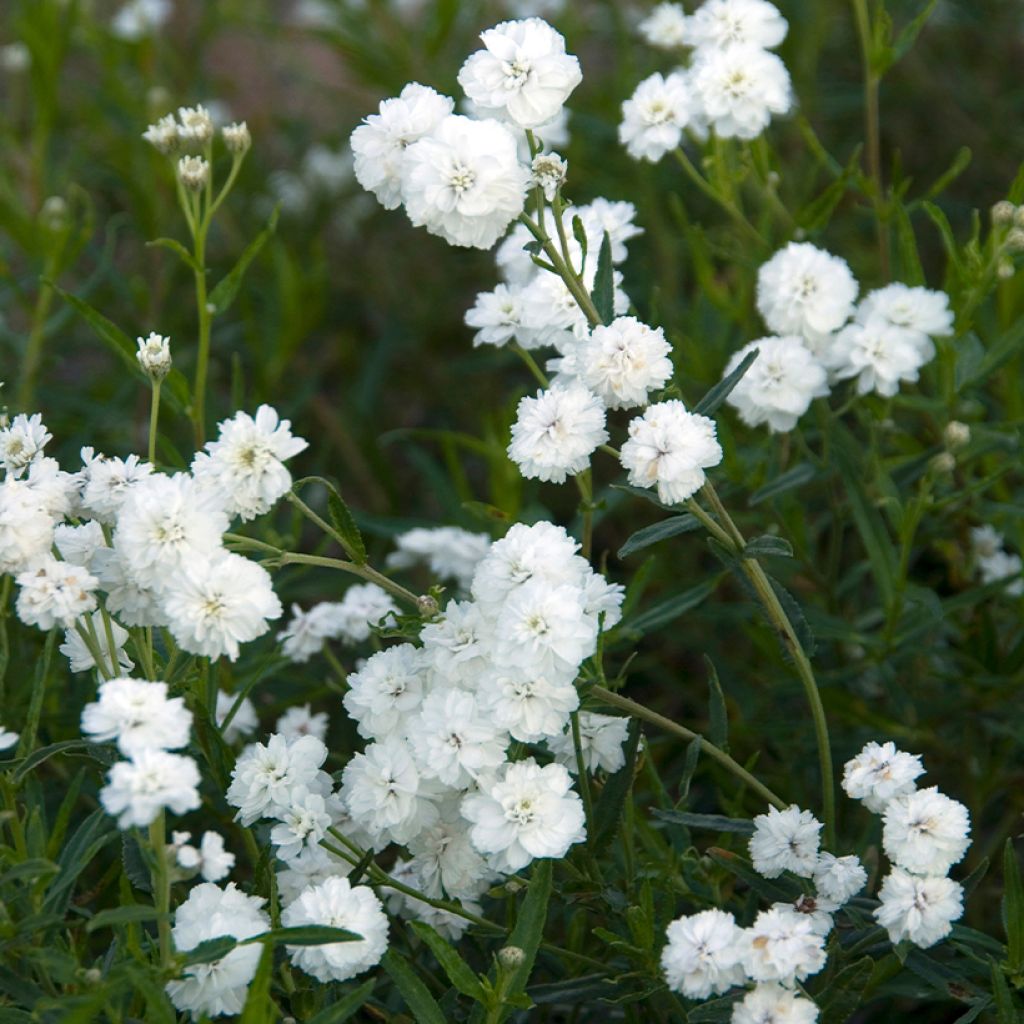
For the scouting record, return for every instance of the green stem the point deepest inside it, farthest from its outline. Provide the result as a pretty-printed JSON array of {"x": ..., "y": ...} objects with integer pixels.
[
  {"x": 161, "y": 887},
  {"x": 205, "y": 320},
  {"x": 362, "y": 571},
  {"x": 531, "y": 365},
  {"x": 92, "y": 644},
  {"x": 637, "y": 710},
  {"x": 712, "y": 193},
  {"x": 154, "y": 419},
  {"x": 584, "y": 483},
  {"x": 34, "y": 348}
]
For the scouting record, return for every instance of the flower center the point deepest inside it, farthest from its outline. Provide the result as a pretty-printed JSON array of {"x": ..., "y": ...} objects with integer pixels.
[{"x": 461, "y": 179}]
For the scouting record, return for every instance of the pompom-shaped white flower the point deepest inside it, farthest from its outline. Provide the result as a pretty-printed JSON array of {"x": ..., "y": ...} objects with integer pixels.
[
  {"x": 337, "y": 904},
  {"x": 720, "y": 23},
  {"x": 556, "y": 433},
  {"x": 22, "y": 442},
  {"x": 530, "y": 706},
  {"x": 55, "y": 593},
  {"x": 879, "y": 773},
  {"x": 916, "y": 309},
  {"x": 523, "y": 72},
  {"x": 654, "y": 117},
  {"x": 622, "y": 362},
  {"x": 782, "y": 945},
  {"x": 774, "y": 1004},
  {"x": 444, "y": 860},
  {"x": 380, "y": 788},
  {"x": 139, "y": 789},
  {"x": 364, "y": 605},
  {"x": 106, "y": 483},
  {"x": 879, "y": 355},
  {"x": 450, "y": 552},
  {"x": 453, "y": 740},
  {"x": 264, "y": 776},
  {"x": 379, "y": 144},
  {"x": 386, "y": 690},
  {"x": 527, "y": 812},
  {"x": 1003, "y": 566},
  {"x": 304, "y": 822},
  {"x": 601, "y": 740},
  {"x": 837, "y": 880},
  {"x": 498, "y": 317},
  {"x": 739, "y": 88},
  {"x": 216, "y": 605},
  {"x": 79, "y": 544},
  {"x": 154, "y": 355},
  {"x": 311, "y": 867},
  {"x": 926, "y": 832},
  {"x": 300, "y": 721},
  {"x": 138, "y": 715},
  {"x": 211, "y": 860},
  {"x": 666, "y": 27},
  {"x": 246, "y": 462},
  {"x": 457, "y": 646},
  {"x": 464, "y": 182},
  {"x": 26, "y": 532},
  {"x": 919, "y": 909},
  {"x": 701, "y": 958},
  {"x": 218, "y": 988},
  {"x": 785, "y": 841},
  {"x": 670, "y": 448},
  {"x": 780, "y": 386},
  {"x": 804, "y": 290}
]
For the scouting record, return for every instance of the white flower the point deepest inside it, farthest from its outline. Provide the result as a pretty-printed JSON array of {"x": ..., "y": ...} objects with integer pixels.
[
  {"x": 246, "y": 462},
  {"x": 720, "y": 23},
  {"x": 670, "y": 447},
  {"x": 243, "y": 722},
  {"x": 194, "y": 172},
  {"x": 306, "y": 632},
  {"x": 622, "y": 362},
  {"x": 556, "y": 433},
  {"x": 168, "y": 525},
  {"x": 154, "y": 355},
  {"x": 22, "y": 442},
  {"x": 739, "y": 88},
  {"x": 879, "y": 773},
  {"x": 773, "y": 1004},
  {"x": 601, "y": 740},
  {"x": 785, "y": 841},
  {"x": 138, "y": 715},
  {"x": 549, "y": 173},
  {"x": 450, "y": 552},
  {"x": 386, "y": 690},
  {"x": 457, "y": 646},
  {"x": 163, "y": 136},
  {"x": 133, "y": 604},
  {"x": 379, "y": 144},
  {"x": 53, "y": 491},
  {"x": 337, "y": 904},
  {"x": 530, "y": 706},
  {"x": 453, "y": 740},
  {"x": 919, "y": 909},
  {"x": 603, "y": 598},
  {"x": 237, "y": 137},
  {"x": 1003, "y": 566},
  {"x": 211, "y": 860},
  {"x": 614, "y": 218},
  {"x": 139, "y": 789},
  {"x": 304, "y": 822},
  {"x": 920, "y": 310},
  {"x": 666, "y": 27},
  {"x": 444, "y": 860},
  {"x": 364, "y": 605},
  {"x": 527, "y": 812},
  {"x": 654, "y": 117},
  {"x": 464, "y": 182},
  {"x": 782, "y": 945},
  {"x": 701, "y": 957},
  {"x": 807, "y": 291},
  {"x": 26, "y": 532},
  {"x": 139, "y": 18},
  {"x": 264, "y": 777},
  {"x": 300, "y": 721},
  {"x": 107, "y": 482},
  {"x": 7, "y": 738},
  {"x": 523, "y": 72},
  {"x": 879, "y": 354},
  {"x": 55, "y": 592},
  {"x": 195, "y": 125},
  {"x": 498, "y": 318},
  {"x": 79, "y": 544},
  {"x": 781, "y": 384},
  {"x": 80, "y": 657},
  {"x": 837, "y": 880},
  {"x": 986, "y": 541},
  {"x": 926, "y": 832},
  {"x": 217, "y": 604},
  {"x": 312, "y": 866},
  {"x": 220, "y": 987}
]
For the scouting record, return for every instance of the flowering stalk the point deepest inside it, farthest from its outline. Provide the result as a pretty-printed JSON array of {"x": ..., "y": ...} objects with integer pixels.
[
  {"x": 161, "y": 887},
  {"x": 727, "y": 204},
  {"x": 154, "y": 418}
]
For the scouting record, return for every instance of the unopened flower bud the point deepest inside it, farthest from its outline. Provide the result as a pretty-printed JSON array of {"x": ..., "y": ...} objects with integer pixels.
[
  {"x": 1005, "y": 270},
  {"x": 195, "y": 125},
  {"x": 1002, "y": 212},
  {"x": 237, "y": 137},
  {"x": 956, "y": 434},
  {"x": 93, "y": 976},
  {"x": 943, "y": 463},
  {"x": 549, "y": 173},
  {"x": 427, "y": 606},
  {"x": 154, "y": 356},
  {"x": 1018, "y": 217},
  {"x": 163, "y": 136},
  {"x": 54, "y": 214},
  {"x": 1015, "y": 240},
  {"x": 773, "y": 179},
  {"x": 15, "y": 58},
  {"x": 511, "y": 956},
  {"x": 194, "y": 172}
]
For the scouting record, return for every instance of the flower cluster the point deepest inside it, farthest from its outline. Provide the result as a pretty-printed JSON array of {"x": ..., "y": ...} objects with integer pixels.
[
  {"x": 809, "y": 298},
  {"x": 993, "y": 562},
  {"x": 924, "y": 834},
  {"x": 732, "y": 86}
]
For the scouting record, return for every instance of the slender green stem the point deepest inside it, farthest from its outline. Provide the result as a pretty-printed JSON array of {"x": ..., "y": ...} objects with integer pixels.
[
  {"x": 584, "y": 483},
  {"x": 766, "y": 592},
  {"x": 581, "y": 770},
  {"x": 154, "y": 420},
  {"x": 12, "y": 819},
  {"x": 362, "y": 571},
  {"x": 205, "y": 321},
  {"x": 531, "y": 365},
  {"x": 647, "y": 715},
  {"x": 108, "y": 632},
  {"x": 723, "y": 201},
  {"x": 92, "y": 644},
  {"x": 161, "y": 887},
  {"x": 33, "y": 356}
]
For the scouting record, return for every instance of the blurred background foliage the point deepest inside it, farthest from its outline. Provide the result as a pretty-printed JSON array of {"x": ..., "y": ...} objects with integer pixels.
[{"x": 350, "y": 322}]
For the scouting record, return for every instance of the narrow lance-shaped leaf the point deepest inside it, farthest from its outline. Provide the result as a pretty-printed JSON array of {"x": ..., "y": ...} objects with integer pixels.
[
  {"x": 604, "y": 282},
  {"x": 721, "y": 391},
  {"x": 227, "y": 288}
]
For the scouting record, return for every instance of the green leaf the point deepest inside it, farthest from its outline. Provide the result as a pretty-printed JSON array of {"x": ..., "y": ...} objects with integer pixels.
[
  {"x": 37, "y": 757},
  {"x": 718, "y": 716},
  {"x": 707, "y": 822},
  {"x": 416, "y": 995},
  {"x": 1013, "y": 908},
  {"x": 740, "y": 867},
  {"x": 529, "y": 928},
  {"x": 304, "y": 935},
  {"x": 604, "y": 282},
  {"x": 843, "y": 993},
  {"x": 345, "y": 524},
  {"x": 659, "y": 531},
  {"x": 792, "y": 478},
  {"x": 210, "y": 950},
  {"x": 88, "y": 839},
  {"x": 768, "y": 544},
  {"x": 671, "y": 608},
  {"x": 227, "y": 288},
  {"x": 36, "y": 867},
  {"x": 178, "y": 249},
  {"x": 122, "y": 915},
  {"x": 940, "y": 220},
  {"x": 912, "y": 273},
  {"x": 609, "y": 805},
  {"x": 346, "y": 1006},
  {"x": 906, "y": 39},
  {"x": 1006, "y": 1012},
  {"x": 460, "y": 974},
  {"x": 721, "y": 391},
  {"x": 259, "y": 1008},
  {"x": 796, "y": 616},
  {"x": 693, "y": 749}
]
